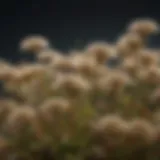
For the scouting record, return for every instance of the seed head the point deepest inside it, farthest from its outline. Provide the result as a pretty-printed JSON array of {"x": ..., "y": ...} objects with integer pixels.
[
  {"x": 150, "y": 76},
  {"x": 6, "y": 73},
  {"x": 4, "y": 147},
  {"x": 34, "y": 44},
  {"x": 28, "y": 71},
  {"x": 6, "y": 107},
  {"x": 54, "y": 107},
  {"x": 141, "y": 133},
  {"x": 20, "y": 120},
  {"x": 129, "y": 44},
  {"x": 101, "y": 51},
  {"x": 72, "y": 84},
  {"x": 143, "y": 27},
  {"x": 148, "y": 58},
  {"x": 48, "y": 56},
  {"x": 112, "y": 129},
  {"x": 115, "y": 82},
  {"x": 130, "y": 66},
  {"x": 87, "y": 68},
  {"x": 155, "y": 96},
  {"x": 65, "y": 64}
]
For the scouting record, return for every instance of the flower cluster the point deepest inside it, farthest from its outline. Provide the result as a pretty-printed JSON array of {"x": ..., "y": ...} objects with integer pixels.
[{"x": 80, "y": 106}]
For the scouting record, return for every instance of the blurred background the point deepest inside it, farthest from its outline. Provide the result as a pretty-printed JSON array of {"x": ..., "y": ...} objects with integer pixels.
[{"x": 69, "y": 23}]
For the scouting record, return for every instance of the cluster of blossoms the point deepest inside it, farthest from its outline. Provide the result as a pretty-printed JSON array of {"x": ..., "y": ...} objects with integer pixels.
[{"x": 98, "y": 103}]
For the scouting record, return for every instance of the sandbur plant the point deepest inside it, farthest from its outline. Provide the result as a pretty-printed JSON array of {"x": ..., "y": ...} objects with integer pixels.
[{"x": 79, "y": 106}]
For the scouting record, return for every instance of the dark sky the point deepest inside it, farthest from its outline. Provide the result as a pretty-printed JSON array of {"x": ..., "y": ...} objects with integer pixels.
[{"x": 69, "y": 23}]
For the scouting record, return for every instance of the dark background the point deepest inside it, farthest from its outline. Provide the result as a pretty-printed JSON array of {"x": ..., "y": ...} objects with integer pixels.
[{"x": 69, "y": 23}]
